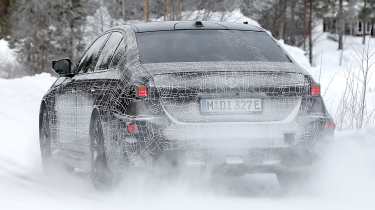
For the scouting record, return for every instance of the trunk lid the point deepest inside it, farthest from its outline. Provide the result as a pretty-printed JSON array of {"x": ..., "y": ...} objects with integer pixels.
[{"x": 183, "y": 89}]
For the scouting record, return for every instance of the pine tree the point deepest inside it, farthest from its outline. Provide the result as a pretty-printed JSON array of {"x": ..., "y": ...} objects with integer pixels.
[
  {"x": 43, "y": 30},
  {"x": 146, "y": 10},
  {"x": 4, "y": 18},
  {"x": 341, "y": 24}
]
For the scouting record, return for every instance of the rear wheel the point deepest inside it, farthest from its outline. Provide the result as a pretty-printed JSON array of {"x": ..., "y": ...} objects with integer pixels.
[{"x": 100, "y": 174}]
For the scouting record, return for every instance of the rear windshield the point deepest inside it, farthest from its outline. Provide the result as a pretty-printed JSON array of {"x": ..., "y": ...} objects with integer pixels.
[{"x": 208, "y": 45}]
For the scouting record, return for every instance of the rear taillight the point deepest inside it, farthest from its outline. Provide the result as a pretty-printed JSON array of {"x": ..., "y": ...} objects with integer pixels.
[
  {"x": 132, "y": 128},
  {"x": 315, "y": 90},
  {"x": 142, "y": 91}
]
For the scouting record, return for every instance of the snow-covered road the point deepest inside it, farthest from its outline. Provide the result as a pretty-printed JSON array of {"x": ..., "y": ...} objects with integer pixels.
[{"x": 346, "y": 180}]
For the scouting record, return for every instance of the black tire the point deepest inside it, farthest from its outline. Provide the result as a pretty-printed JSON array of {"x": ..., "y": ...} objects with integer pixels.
[
  {"x": 100, "y": 174},
  {"x": 45, "y": 139}
]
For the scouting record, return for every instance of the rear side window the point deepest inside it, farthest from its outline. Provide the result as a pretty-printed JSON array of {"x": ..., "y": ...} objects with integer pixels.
[
  {"x": 208, "y": 45},
  {"x": 109, "y": 49},
  {"x": 119, "y": 57},
  {"x": 90, "y": 58}
]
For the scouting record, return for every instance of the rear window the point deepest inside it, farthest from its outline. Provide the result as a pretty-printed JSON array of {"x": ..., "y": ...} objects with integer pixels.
[{"x": 208, "y": 45}]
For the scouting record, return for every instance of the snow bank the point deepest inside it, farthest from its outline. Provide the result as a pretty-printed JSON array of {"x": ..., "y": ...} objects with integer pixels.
[
  {"x": 332, "y": 68},
  {"x": 20, "y": 99},
  {"x": 8, "y": 61}
]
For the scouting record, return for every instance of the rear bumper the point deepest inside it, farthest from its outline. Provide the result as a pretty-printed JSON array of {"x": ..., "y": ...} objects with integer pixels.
[
  {"x": 238, "y": 147},
  {"x": 247, "y": 160},
  {"x": 231, "y": 135}
]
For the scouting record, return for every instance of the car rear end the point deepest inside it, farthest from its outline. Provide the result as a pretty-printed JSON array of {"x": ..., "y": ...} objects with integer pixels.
[
  {"x": 259, "y": 117},
  {"x": 252, "y": 112}
]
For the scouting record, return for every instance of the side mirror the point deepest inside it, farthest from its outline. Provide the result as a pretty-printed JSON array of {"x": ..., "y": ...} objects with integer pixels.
[{"x": 62, "y": 67}]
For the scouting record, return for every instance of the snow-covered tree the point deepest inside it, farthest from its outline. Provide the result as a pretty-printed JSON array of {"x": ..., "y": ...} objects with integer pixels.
[{"x": 42, "y": 30}]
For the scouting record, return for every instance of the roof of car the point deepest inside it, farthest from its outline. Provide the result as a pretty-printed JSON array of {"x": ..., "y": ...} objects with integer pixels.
[{"x": 191, "y": 25}]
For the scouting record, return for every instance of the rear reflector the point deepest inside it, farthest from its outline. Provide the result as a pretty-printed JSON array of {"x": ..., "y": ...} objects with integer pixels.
[
  {"x": 142, "y": 91},
  {"x": 330, "y": 125},
  {"x": 315, "y": 90},
  {"x": 132, "y": 128}
]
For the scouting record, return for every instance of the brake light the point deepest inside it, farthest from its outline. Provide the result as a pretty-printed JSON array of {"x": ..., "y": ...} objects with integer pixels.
[
  {"x": 142, "y": 91},
  {"x": 315, "y": 90},
  {"x": 132, "y": 128}
]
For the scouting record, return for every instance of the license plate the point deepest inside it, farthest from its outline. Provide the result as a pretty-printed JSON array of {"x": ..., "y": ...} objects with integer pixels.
[{"x": 249, "y": 105}]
